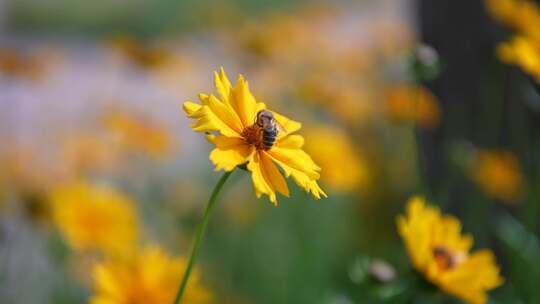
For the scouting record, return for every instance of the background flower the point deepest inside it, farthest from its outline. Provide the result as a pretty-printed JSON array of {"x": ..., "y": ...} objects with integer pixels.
[
  {"x": 150, "y": 276},
  {"x": 498, "y": 173},
  {"x": 138, "y": 133},
  {"x": 523, "y": 49},
  {"x": 95, "y": 217},
  {"x": 351, "y": 172},
  {"x": 442, "y": 254},
  {"x": 412, "y": 104}
]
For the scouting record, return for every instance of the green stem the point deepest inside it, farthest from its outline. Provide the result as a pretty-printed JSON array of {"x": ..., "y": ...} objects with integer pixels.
[
  {"x": 422, "y": 184},
  {"x": 199, "y": 235},
  {"x": 417, "y": 145}
]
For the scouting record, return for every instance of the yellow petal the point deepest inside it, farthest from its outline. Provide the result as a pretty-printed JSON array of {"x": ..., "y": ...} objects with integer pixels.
[
  {"x": 227, "y": 115},
  {"x": 314, "y": 189},
  {"x": 244, "y": 102},
  {"x": 191, "y": 108},
  {"x": 272, "y": 173},
  {"x": 108, "y": 284},
  {"x": 207, "y": 121},
  {"x": 214, "y": 114},
  {"x": 416, "y": 230},
  {"x": 291, "y": 142},
  {"x": 300, "y": 166},
  {"x": 295, "y": 158},
  {"x": 230, "y": 152},
  {"x": 211, "y": 137},
  {"x": 266, "y": 177},
  {"x": 489, "y": 276},
  {"x": 203, "y": 98},
  {"x": 479, "y": 272},
  {"x": 449, "y": 233},
  {"x": 260, "y": 106},
  {"x": 290, "y": 126},
  {"x": 222, "y": 84}
]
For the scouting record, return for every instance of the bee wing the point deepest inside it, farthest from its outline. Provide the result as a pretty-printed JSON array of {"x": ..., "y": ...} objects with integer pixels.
[{"x": 280, "y": 127}]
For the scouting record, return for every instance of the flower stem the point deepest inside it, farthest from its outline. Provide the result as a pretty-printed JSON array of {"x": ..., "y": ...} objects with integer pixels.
[
  {"x": 200, "y": 235},
  {"x": 417, "y": 142}
]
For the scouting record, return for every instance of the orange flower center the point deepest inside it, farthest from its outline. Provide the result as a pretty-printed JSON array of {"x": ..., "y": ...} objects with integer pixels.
[{"x": 253, "y": 135}]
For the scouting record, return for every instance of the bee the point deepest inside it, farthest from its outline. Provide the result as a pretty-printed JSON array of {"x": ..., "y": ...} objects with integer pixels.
[
  {"x": 447, "y": 259},
  {"x": 443, "y": 256},
  {"x": 270, "y": 128}
]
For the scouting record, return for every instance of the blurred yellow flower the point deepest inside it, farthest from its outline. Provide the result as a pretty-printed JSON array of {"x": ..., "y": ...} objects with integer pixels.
[
  {"x": 442, "y": 254},
  {"x": 239, "y": 140},
  {"x": 523, "y": 52},
  {"x": 84, "y": 153},
  {"x": 350, "y": 172},
  {"x": 140, "y": 53},
  {"x": 349, "y": 102},
  {"x": 498, "y": 174},
  {"x": 150, "y": 277},
  {"x": 523, "y": 49},
  {"x": 25, "y": 169},
  {"x": 139, "y": 133},
  {"x": 26, "y": 176},
  {"x": 92, "y": 217},
  {"x": 2, "y": 193},
  {"x": 266, "y": 39},
  {"x": 522, "y": 15},
  {"x": 413, "y": 104},
  {"x": 16, "y": 63}
]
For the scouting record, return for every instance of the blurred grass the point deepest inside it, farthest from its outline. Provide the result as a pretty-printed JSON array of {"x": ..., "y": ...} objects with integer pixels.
[
  {"x": 522, "y": 248},
  {"x": 143, "y": 19},
  {"x": 290, "y": 254}
]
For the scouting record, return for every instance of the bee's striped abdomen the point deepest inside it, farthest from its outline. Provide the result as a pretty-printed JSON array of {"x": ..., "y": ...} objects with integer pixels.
[{"x": 269, "y": 137}]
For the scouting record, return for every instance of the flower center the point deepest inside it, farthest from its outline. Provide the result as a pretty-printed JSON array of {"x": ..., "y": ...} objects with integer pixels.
[
  {"x": 253, "y": 136},
  {"x": 446, "y": 259}
]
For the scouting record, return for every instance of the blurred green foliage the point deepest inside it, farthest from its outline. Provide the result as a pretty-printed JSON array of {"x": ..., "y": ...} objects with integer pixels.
[{"x": 143, "y": 19}]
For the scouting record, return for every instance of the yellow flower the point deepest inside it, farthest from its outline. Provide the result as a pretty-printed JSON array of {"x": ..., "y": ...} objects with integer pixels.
[
  {"x": 413, "y": 104},
  {"x": 140, "y": 53},
  {"x": 349, "y": 102},
  {"x": 442, "y": 254},
  {"x": 522, "y": 15},
  {"x": 523, "y": 49},
  {"x": 231, "y": 120},
  {"x": 23, "y": 168},
  {"x": 498, "y": 174},
  {"x": 150, "y": 277},
  {"x": 139, "y": 133},
  {"x": 92, "y": 217},
  {"x": 87, "y": 153},
  {"x": 351, "y": 172},
  {"x": 523, "y": 52},
  {"x": 16, "y": 63},
  {"x": 2, "y": 194}
]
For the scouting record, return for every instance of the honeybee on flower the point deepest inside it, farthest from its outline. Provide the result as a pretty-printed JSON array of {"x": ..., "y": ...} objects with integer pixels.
[{"x": 246, "y": 133}]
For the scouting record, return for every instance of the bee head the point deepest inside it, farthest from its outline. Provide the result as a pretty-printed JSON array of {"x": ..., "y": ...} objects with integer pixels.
[{"x": 264, "y": 117}]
